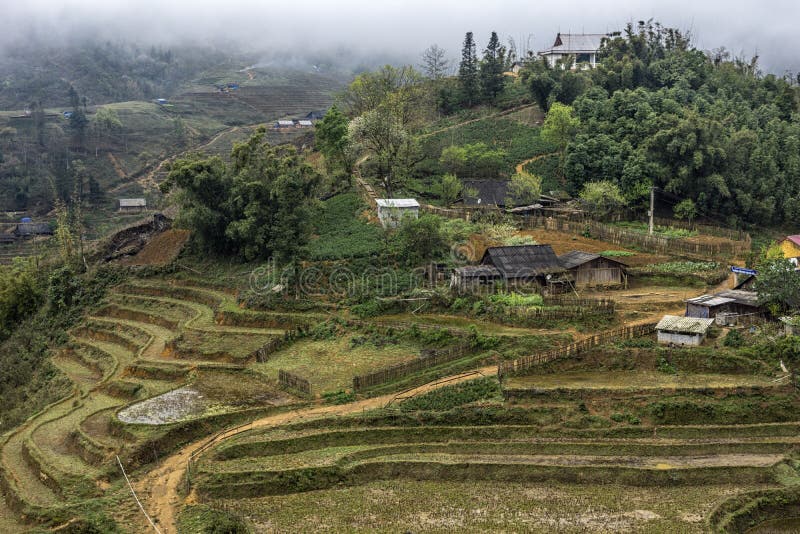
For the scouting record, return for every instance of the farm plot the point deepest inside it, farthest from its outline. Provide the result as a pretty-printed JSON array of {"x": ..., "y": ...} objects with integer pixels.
[
  {"x": 639, "y": 381},
  {"x": 331, "y": 364},
  {"x": 447, "y": 506}
]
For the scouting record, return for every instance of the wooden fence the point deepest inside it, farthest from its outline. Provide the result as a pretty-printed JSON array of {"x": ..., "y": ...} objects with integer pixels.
[
  {"x": 428, "y": 358},
  {"x": 524, "y": 363},
  {"x": 630, "y": 238},
  {"x": 561, "y": 300},
  {"x": 292, "y": 381}
]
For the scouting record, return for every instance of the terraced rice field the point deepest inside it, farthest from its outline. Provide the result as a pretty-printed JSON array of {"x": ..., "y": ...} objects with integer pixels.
[
  {"x": 636, "y": 380},
  {"x": 482, "y": 478}
]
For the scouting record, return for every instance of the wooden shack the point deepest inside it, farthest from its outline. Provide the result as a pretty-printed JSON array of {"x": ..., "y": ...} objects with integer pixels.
[
  {"x": 588, "y": 269},
  {"x": 730, "y": 302},
  {"x": 392, "y": 211},
  {"x": 132, "y": 205},
  {"x": 473, "y": 278},
  {"x": 690, "y": 331},
  {"x": 527, "y": 265}
]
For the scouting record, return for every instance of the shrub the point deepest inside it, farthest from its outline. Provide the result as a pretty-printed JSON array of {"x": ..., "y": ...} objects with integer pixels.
[
  {"x": 453, "y": 396},
  {"x": 733, "y": 339}
]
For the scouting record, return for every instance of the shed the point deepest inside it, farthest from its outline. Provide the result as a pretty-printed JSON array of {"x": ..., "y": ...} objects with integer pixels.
[
  {"x": 473, "y": 277},
  {"x": 790, "y": 246},
  {"x": 589, "y": 269},
  {"x": 161, "y": 101},
  {"x": 30, "y": 229},
  {"x": 485, "y": 192},
  {"x": 303, "y": 123},
  {"x": 134, "y": 205},
  {"x": 392, "y": 211},
  {"x": 284, "y": 124},
  {"x": 526, "y": 264},
  {"x": 675, "y": 330},
  {"x": 729, "y": 302}
]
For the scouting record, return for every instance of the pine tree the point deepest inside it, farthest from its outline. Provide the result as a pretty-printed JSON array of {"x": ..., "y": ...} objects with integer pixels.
[
  {"x": 468, "y": 72},
  {"x": 491, "y": 72}
]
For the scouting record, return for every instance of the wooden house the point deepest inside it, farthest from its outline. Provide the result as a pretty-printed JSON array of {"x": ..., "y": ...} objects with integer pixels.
[
  {"x": 132, "y": 205},
  {"x": 527, "y": 264},
  {"x": 790, "y": 246},
  {"x": 588, "y": 269},
  {"x": 472, "y": 278},
  {"x": 674, "y": 330},
  {"x": 392, "y": 211},
  {"x": 30, "y": 229},
  {"x": 485, "y": 192},
  {"x": 731, "y": 302}
]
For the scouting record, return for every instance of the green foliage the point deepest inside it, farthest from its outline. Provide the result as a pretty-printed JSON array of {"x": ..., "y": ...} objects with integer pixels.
[
  {"x": 257, "y": 207},
  {"x": 468, "y": 75},
  {"x": 450, "y": 397},
  {"x": 524, "y": 189},
  {"x": 602, "y": 197},
  {"x": 666, "y": 231},
  {"x": 21, "y": 294},
  {"x": 421, "y": 240},
  {"x": 332, "y": 139},
  {"x": 684, "y": 267},
  {"x": 203, "y": 519},
  {"x": 778, "y": 284},
  {"x": 516, "y": 299},
  {"x": 617, "y": 253},
  {"x": 449, "y": 189},
  {"x": 685, "y": 209},
  {"x": 474, "y": 160},
  {"x": 341, "y": 231},
  {"x": 733, "y": 338},
  {"x": 339, "y": 397},
  {"x": 492, "y": 67}
]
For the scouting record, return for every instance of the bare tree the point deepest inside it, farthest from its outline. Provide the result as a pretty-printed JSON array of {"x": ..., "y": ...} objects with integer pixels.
[{"x": 435, "y": 62}]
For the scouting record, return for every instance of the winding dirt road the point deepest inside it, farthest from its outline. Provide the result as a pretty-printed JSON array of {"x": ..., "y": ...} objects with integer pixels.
[{"x": 159, "y": 489}]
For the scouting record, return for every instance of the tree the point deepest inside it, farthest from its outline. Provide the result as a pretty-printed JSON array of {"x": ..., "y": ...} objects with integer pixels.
[
  {"x": 401, "y": 89},
  {"x": 77, "y": 120},
  {"x": 475, "y": 160},
  {"x": 558, "y": 129},
  {"x": 449, "y": 188},
  {"x": 106, "y": 122},
  {"x": 258, "y": 206},
  {"x": 603, "y": 197},
  {"x": 778, "y": 285},
  {"x": 524, "y": 188},
  {"x": 468, "y": 72},
  {"x": 434, "y": 62},
  {"x": 179, "y": 131},
  {"x": 541, "y": 81},
  {"x": 491, "y": 69},
  {"x": 421, "y": 240},
  {"x": 685, "y": 209},
  {"x": 333, "y": 140},
  {"x": 381, "y": 134}
]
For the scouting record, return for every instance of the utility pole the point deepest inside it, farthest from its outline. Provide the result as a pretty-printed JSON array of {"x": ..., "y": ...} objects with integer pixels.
[{"x": 651, "y": 213}]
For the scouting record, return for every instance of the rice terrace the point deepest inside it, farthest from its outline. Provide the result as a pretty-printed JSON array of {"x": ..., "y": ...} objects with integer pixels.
[{"x": 514, "y": 289}]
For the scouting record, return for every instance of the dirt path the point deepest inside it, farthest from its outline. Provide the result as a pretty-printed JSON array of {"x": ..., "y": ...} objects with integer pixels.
[
  {"x": 492, "y": 116},
  {"x": 521, "y": 166},
  {"x": 117, "y": 167},
  {"x": 159, "y": 489}
]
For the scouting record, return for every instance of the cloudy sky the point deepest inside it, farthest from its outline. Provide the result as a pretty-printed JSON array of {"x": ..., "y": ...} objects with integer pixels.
[{"x": 768, "y": 29}]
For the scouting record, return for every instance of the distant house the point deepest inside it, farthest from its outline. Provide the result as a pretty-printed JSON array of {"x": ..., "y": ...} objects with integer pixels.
[
  {"x": 67, "y": 114},
  {"x": 583, "y": 47},
  {"x": 392, "y": 211},
  {"x": 161, "y": 101},
  {"x": 485, "y": 192},
  {"x": 280, "y": 125},
  {"x": 132, "y": 205},
  {"x": 233, "y": 86},
  {"x": 303, "y": 123},
  {"x": 472, "y": 277},
  {"x": 315, "y": 115},
  {"x": 674, "y": 330},
  {"x": 526, "y": 264},
  {"x": 790, "y": 246},
  {"x": 589, "y": 269},
  {"x": 731, "y": 302},
  {"x": 30, "y": 229}
]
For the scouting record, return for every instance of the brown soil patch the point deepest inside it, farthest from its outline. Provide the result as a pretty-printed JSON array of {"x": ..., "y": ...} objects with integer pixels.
[
  {"x": 563, "y": 243},
  {"x": 160, "y": 250}
]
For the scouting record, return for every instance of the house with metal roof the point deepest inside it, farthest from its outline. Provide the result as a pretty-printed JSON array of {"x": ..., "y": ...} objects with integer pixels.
[
  {"x": 582, "y": 46},
  {"x": 30, "y": 229},
  {"x": 674, "y": 330},
  {"x": 485, "y": 192},
  {"x": 129, "y": 205},
  {"x": 589, "y": 269},
  {"x": 790, "y": 246},
  {"x": 730, "y": 302},
  {"x": 526, "y": 264},
  {"x": 472, "y": 278},
  {"x": 392, "y": 211}
]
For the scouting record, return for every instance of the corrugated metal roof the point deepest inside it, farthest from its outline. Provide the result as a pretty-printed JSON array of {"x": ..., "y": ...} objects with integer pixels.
[
  {"x": 710, "y": 301},
  {"x": 472, "y": 271},
  {"x": 397, "y": 203},
  {"x": 523, "y": 261},
  {"x": 576, "y": 258},
  {"x": 570, "y": 43},
  {"x": 794, "y": 239},
  {"x": 285, "y": 123},
  {"x": 745, "y": 298},
  {"x": 305, "y": 123},
  {"x": 132, "y": 203},
  {"x": 684, "y": 325}
]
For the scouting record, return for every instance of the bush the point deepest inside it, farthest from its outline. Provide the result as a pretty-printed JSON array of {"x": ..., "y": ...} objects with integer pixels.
[
  {"x": 734, "y": 339},
  {"x": 453, "y": 396}
]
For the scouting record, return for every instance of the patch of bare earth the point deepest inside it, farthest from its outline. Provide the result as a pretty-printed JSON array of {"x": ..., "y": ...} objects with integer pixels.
[{"x": 160, "y": 250}]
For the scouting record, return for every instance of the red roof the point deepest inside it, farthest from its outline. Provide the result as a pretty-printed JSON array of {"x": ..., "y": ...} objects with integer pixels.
[{"x": 794, "y": 239}]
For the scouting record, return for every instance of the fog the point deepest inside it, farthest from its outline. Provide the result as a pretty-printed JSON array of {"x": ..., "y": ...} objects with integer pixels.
[{"x": 401, "y": 29}]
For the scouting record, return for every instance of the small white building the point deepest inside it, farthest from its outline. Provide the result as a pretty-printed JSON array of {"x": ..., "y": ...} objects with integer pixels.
[
  {"x": 674, "y": 330},
  {"x": 583, "y": 47},
  {"x": 392, "y": 211},
  {"x": 134, "y": 205}
]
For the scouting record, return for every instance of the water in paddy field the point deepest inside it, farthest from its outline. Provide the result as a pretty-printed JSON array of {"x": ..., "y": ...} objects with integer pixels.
[{"x": 789, "y": 525}]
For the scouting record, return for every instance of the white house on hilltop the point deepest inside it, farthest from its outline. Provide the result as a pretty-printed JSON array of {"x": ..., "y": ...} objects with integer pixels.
[
  {"x": 392, "y": 211},
  {"x": 582, "y": 46}
]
